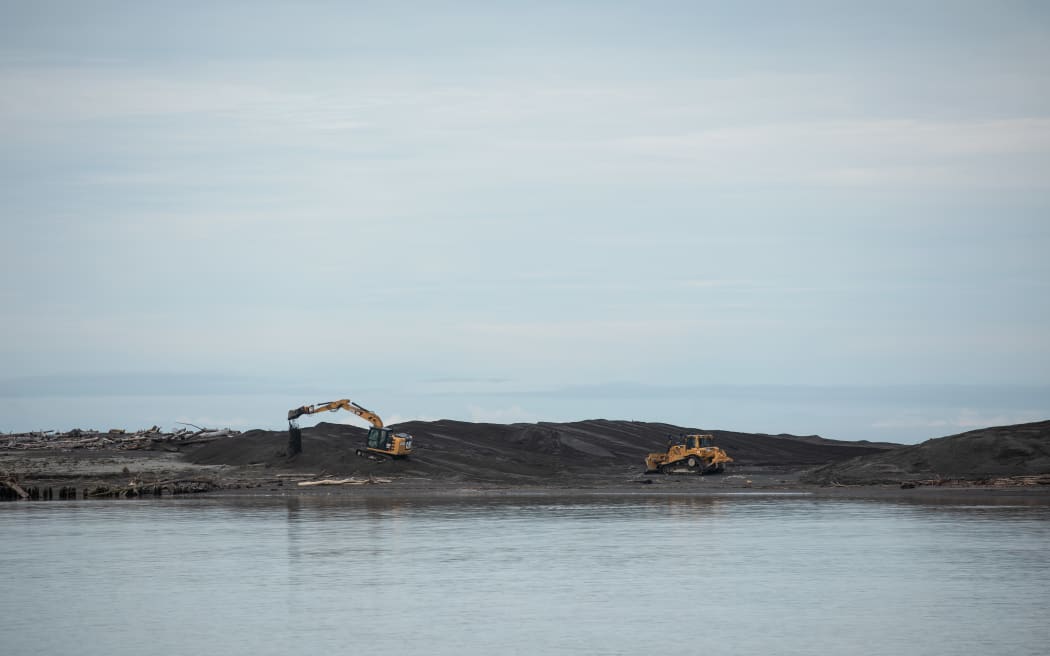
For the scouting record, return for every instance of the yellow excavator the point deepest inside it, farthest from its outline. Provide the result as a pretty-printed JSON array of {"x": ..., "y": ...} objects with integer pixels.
[
  {"x": 381, "y": 441},
  {"x": 689, "y": 454}
]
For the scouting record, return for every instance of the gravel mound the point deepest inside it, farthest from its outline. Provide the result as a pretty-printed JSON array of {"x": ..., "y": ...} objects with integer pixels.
[
  {"x": 514, "y": 453},
  {"x": 1018, "y": 450}
]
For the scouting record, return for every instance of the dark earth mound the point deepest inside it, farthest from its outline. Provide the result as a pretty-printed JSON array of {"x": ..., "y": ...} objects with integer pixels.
[
  {"x": 1019, "y": 450},
  {"x": 515, "y": 453}
]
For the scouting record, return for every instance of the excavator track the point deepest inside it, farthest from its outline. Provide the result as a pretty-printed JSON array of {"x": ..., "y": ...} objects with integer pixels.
[{"x": 371, "y": 455}]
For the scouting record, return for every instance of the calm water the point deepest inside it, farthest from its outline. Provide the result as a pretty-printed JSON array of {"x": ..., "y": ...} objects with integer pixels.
[{"x": 605, "y": 575}]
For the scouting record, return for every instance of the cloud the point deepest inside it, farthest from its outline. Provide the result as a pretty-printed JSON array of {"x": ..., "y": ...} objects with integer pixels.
[
  {"x": 87, "y": 93},
  {"x": 506, "y": 415},
  {"x": 350, "y": 136},
  {"x": 966, "y": 419},
  {"x": 615, "y": 330},
  {"x": 138, "y": 384},
  {"x": 465, "y": 380},
  {"x": 213, "y": 422},
  {"x": 858, "y": 152},
  {"x": 716, "y": 283}
]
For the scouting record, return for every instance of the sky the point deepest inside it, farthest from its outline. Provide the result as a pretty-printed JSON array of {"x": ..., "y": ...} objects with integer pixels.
[{"x": 812, "y": 217}]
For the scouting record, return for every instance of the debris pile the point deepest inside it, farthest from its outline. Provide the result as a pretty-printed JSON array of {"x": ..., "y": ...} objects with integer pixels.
[
  {"x": 1003, "y": 481},
  {"x": 113, "y": 439},
  {"x": 11, "y": 490},
  {"x": 153, "y": 488}
]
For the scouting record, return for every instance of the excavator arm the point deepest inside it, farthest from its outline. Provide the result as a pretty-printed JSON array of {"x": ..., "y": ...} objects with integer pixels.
[
  {"x": 332, "y": 406},
  {"x": 380, "y": 443}
]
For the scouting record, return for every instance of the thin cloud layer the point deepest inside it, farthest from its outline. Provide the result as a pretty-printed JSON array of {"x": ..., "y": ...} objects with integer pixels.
[{"x": 381, "y": 195}]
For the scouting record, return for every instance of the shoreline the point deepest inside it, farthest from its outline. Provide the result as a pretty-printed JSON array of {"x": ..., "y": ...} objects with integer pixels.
[
  {"x": 143, "y": 475},
  {"x": 64, "y": 474}
]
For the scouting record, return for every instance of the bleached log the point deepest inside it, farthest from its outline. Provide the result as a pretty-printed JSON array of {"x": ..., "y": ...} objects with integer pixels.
[
  {"x": 16, "y": 488},
  {"x": 371, "y": 480},
  {"x": 334, "y": 481}
]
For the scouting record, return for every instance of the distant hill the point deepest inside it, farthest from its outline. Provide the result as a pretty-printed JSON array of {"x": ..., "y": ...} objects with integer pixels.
[
  {"x": 519, "y": 452},
  {"x": 1018, "y": 450}
]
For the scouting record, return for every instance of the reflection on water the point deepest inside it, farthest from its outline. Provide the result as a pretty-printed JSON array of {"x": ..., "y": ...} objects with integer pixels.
[{"x": 582, "y": 575}]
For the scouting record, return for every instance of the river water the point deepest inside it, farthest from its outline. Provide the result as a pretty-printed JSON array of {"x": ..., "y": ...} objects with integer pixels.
[{"x": 734, "y": 574}]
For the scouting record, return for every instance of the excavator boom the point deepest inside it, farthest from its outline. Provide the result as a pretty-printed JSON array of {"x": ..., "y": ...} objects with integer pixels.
[{"x": 332, "y": 406}]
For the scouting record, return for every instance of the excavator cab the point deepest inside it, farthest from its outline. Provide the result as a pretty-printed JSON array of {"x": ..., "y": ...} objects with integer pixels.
[
  {"x": 379, "y": 438},
  {"x": 382, "y": 440}
]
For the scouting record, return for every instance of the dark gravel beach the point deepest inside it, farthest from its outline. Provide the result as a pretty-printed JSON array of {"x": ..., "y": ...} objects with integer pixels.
[{"x": 463, "y": 457}]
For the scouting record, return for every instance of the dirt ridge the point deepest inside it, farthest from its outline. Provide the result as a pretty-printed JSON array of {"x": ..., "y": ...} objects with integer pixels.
[
  {"x": 1015, "y": 450},
  {"x": 494, "y": 452}
]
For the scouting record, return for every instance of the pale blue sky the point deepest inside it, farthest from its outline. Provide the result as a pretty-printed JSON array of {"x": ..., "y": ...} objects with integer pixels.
[{"x": 527, "y": 211}]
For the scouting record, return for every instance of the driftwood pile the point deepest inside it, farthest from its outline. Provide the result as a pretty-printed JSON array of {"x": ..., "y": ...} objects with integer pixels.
[
  {"x": 135, "y": 489},
  {"x": 115, "y": 439},
  {"x": 1005, "y": 481},
  {"x": 11, "y": 490}
]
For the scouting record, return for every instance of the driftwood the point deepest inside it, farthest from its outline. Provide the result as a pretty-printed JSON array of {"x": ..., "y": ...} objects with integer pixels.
[
  {"x": 371, "y": 480},
  {"x": 153, "y": 488},
  {"x": 15, "y": 488},
  {"x": 1004, "y": 481},
  {"x": 115, "y": 439},
  {"x": 12, "y": 491}
]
